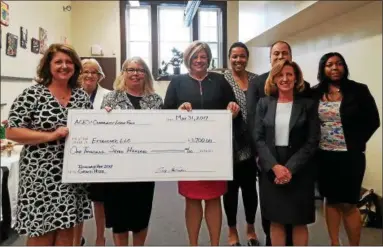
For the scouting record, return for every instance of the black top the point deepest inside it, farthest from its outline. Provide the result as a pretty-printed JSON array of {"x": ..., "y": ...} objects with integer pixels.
[
  {"x": 256, "y": 90},
  {"x": 213, "y": 92},
  {"x": 135, "y": 100},
  {"x": 358, "y": 111},
  {"x": 304, "y": 132}
]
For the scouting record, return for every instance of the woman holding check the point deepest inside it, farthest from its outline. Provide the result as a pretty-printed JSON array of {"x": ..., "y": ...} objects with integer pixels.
[
  {"x": 128, "y": 205},
  {"x": 200, "y": 89}
]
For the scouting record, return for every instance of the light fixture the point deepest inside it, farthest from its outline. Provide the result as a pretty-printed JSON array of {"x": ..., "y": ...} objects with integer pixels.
[{"x": 134, "y": 3}]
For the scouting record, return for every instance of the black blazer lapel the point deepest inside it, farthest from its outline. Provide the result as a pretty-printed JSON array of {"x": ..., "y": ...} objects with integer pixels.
[
  {"x": 295, "y": 112},
  {"x": 271, "y": 110}
]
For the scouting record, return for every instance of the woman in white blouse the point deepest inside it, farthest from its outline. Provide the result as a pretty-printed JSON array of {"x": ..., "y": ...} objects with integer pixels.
[
  {"x": 286, "y": 137},
  {"x": 90, "y": 79}
]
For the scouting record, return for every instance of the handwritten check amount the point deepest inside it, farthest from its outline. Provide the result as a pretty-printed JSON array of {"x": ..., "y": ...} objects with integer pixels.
[{"x": 155, "y": 145}]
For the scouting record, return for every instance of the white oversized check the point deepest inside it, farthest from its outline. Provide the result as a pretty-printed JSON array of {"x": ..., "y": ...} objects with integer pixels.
[{"x": 143, "y": 145}]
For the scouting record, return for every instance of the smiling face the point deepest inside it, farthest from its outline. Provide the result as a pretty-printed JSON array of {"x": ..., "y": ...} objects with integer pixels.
[
  {"x": 334, "y": 68},
  {"x": 199, "y": 62},
  {"x": 285, "y": 80},
  {"x": 61, "y": 67},
  {"x": 134, "y": 75},
  {"x": 238, "y": 59},
  {"x": 90, "y": 77}
]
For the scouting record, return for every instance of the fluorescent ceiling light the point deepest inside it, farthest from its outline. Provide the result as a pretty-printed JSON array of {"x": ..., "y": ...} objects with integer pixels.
[{"x": 134, "y": 3}]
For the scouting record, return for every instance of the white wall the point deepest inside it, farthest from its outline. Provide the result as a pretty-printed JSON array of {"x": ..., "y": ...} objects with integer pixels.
[
  {"x": 97, "y": 23},
  {"x": 257, "y": 17},
  {"x": 232, "y": 24},
  {"x": 358, "y": 36},
  {"x": 32, "y": 14}
]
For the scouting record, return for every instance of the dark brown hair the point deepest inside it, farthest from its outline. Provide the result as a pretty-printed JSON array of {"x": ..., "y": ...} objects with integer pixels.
[{"x": 44, "y": 75}]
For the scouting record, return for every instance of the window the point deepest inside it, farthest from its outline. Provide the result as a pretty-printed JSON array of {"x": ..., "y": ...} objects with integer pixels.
[
  {"x": 138, "y": 33},
  {"x": 154, "y": 28},
  {"x": 209, "y": 32},
  {"x": 172, "y": 34}
]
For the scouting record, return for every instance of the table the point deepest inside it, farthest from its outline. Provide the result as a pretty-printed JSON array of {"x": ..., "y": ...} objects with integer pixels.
[{"x": 9, "y": 186}]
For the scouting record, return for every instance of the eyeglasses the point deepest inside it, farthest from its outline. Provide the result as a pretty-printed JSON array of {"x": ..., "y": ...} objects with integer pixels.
[
  {"x": 90, "y": 73},
  {"x": 132, "y": 71}
]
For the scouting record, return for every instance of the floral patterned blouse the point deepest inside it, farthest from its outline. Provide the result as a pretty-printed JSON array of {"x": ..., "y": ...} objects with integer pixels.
[{"x": 332, "y": 137}]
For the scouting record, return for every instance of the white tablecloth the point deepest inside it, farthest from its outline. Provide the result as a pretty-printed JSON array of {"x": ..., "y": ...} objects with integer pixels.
[{"x": 12, "y": 163}]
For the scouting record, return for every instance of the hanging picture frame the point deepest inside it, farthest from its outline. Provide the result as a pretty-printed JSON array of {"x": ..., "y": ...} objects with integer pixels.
[
  {"x": 43, "y": 36},
  {"x": 11, "y": 47},
  {"x": 35, "y": 46},
  {"x": 23, "y": 37},
  {"x": 4, "y": 13}
]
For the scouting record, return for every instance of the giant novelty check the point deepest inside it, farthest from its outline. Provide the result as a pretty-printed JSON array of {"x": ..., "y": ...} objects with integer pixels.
[{"x": 139, "y": 145}]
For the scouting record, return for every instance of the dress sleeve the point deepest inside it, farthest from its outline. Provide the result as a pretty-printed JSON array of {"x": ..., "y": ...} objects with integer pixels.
[{"x": 23, "y": 108}]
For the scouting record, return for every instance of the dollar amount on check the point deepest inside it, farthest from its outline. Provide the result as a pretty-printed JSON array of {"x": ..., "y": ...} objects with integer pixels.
[{"x": 144, "y": 145}]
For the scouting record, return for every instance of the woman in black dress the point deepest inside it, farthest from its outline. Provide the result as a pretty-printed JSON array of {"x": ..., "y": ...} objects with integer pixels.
[
  {"x": 286, "y": 138},
  {"x": 349, "y": 117},
  {"x": 133, "y": 90}
]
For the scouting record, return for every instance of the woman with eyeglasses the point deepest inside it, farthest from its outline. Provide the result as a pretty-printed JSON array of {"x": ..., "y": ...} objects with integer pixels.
[
  {"x": 128, "y": 206},
  {"x": 90, "y": 79}
]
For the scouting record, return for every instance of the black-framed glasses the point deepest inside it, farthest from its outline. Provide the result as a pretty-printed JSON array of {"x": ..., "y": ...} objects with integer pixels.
[{"x": 132, "y": 71}]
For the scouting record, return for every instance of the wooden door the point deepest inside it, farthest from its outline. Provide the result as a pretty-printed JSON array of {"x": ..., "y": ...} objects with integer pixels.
[{"x": 108, "y": 65}]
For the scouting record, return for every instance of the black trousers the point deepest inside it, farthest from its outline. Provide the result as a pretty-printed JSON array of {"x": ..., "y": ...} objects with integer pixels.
[
  {"x": 244, "y": 177},
  {"x": 5, "y": 225},
  {"x": 266, "y": 230}
]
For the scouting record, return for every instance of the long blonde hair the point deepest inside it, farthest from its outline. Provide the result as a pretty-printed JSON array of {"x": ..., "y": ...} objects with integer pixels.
[
  {"x": 270, "y": 86},
  {"x": 120, "y": 84}
]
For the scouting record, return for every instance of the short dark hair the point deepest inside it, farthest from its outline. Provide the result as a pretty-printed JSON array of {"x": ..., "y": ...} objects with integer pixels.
[
  {"x": 239, "y": 44},
  {"x": 283, "y": 42}
]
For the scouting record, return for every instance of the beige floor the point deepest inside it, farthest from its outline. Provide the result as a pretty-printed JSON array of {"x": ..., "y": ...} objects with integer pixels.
[{"x": 167, "y": 225}]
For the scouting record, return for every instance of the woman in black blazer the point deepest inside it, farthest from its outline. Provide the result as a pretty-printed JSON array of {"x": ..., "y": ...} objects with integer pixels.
[
  {"x": 349, "y": 117},
  {"x": 286, "y": 137}
]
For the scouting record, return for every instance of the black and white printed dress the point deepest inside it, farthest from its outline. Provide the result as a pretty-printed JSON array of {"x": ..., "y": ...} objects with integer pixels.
[{"x": 44, "y": 203}]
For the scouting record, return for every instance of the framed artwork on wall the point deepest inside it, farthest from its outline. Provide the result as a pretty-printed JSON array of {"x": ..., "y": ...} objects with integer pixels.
[
  {"x": 35, "y": 45},
  {"x": 43, "y": 37},
  {"x": 4, "y": 13},
  {"x": 23, "y": 37},
  {"x": 11, "y": 48}
]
